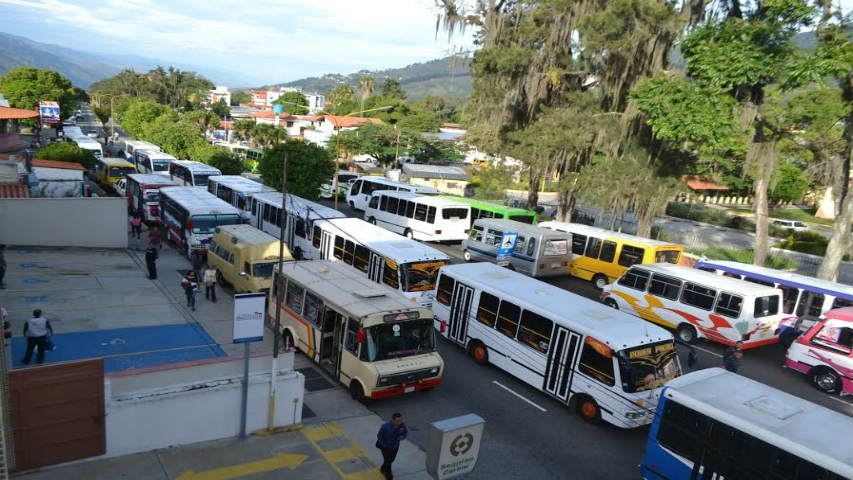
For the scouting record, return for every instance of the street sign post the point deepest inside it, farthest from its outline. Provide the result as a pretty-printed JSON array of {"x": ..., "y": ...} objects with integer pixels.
[
  {"x": 454, "y": 445},
  {"x": 506, "y": 247},
  {"x": 49, "y": 112},
  {"x": 248, "y": 327}
]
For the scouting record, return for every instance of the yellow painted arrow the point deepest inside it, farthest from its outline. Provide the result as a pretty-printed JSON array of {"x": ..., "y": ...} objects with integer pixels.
[{"x": 282, "y": 460}]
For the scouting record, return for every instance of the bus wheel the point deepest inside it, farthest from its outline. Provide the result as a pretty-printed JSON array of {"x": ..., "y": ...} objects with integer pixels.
[
  {"x": 357, "y": 392},
  {"x": 600, "y": 281},
  {"x": 352, "y": 205},
  {"x": 825, "y": 380},
  {"x": 686, "y": 333},
  {"x": 287, "y": 339},
  {"x": 611, "y": 303},
  {"x": 466, "y": 255},
  {"x": 479, "y": 352},
  {"x": 408, "y": 234},
  {"x": 371, "y": 220},
  {"x": 588, "y": 409},
  {"x": 220, "y": 279}
]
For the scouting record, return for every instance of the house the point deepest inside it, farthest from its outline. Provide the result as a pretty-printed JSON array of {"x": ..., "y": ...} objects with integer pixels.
[
  {"x": 220, "y": 93},
  {"x": 316, "y": 102},
  {"x": 270, "y": 118},
  {"x": 9, "y": 140},
  {"x": 450, "y": 180},
  {"x": 57, "y": 179},
  {"x": 259, "y": 97},
  {"x": 331, "y": 124},
  {"x": 708, "y": 191}
]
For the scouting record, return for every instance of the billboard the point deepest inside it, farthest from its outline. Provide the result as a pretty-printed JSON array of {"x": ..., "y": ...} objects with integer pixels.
[{"x": 49, "y": 112}]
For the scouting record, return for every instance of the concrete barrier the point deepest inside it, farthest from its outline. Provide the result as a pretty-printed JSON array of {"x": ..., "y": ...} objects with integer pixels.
[{"x": 64, "y": 222}]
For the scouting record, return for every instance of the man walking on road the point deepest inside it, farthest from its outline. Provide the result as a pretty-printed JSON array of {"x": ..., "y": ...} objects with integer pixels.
[
  {"x": 732, "y": 358},
  {"x": 150, "y": 260},
  {"x": 388, "y": 440},
  {"x": 36, "y": 330},
  {"x": 208, "y": 276},
  {"x": 190, "y": 284}
]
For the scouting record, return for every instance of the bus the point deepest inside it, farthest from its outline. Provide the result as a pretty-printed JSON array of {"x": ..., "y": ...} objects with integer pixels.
[
  {"x": 538, "y": 252},
  {"x": 714, "y": 424},
  {"x": 483, "y": 209},
  {"x": 605, "y": 364},
  {"x": 129, "y": 147},
  {"x": 237, "y": 191},
  {"x": 825, "y": 352},
  {"x": 602, "y": 256},
  {"x": 150, "y": 161},
  {"x": 421, "y": 217},
  {"x": 365, "y": 335},
  {"x": 405, "y": 265},
  {"x": 93, "y": 146},
  {"x": 143, "y": 193},
  {"x": 805, "y": 298},
  {"x": 299, "y": 217},
  {"x": 108, "y": 171},
  {"x": 362, "y": 189},
  {"x": 699, "y": 304},
  {"x": 190, "y": 217},
  {"x": 192, "y": 174}
]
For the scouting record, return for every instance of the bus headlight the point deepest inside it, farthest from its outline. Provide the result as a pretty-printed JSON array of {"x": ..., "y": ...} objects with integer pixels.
[
  {"x": 434, "y": 371},
  {"x": 382, "y": 381}
]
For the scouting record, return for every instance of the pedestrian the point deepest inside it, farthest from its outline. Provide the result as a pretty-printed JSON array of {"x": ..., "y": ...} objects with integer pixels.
[
  {"x": 151, "y": 256},
  {"x": 36, "y": 330},
  {"x": 388, "y": 440},
  {"x": 136, "y": 224},
  {"x": 209, "y": 278},
  {"x": 198, "y": 262},
  {"x": 2, "y": 265},
  {"x": 190, "y": 284},
  {"x": 732, "y": 357},
  {"x": 155, "y": 236}
]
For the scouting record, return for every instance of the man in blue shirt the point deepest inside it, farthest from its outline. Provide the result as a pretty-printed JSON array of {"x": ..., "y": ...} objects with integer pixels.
[{"x": 388, "y": 440}]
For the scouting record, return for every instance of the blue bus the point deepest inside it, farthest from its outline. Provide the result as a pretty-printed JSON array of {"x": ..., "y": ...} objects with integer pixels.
[{"x": 715, "y": 425}]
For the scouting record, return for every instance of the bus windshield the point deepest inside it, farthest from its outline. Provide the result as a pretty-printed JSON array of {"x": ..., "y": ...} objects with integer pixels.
[
  {"x": 648, "y": 367},
  {"x": 522, "y": 218},
  {"x": 152, "y": 195},
  {"x": 121, "y": 171},
  {"x": 396, "y": 340},
  {"x": 263, "y": 269},
  {"x": 201, "y": 179},
  {"x": 208, "y": 223},
  {"x": 161, "y": 165},
  {"x": 420, "y": 276}
]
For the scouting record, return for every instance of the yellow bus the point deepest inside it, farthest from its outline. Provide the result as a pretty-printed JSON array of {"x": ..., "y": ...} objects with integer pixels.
[
  {"x": 108, "y": 171},
  {"x": 244, "y": 257},
  {"x": 368, "y": 336},
  {"x": 601, "y": 256}
]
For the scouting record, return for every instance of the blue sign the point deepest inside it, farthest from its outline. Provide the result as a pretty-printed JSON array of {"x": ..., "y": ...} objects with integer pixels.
[
  {"x": 49, "y": 112},
  {"x": 278, "y": 109},
  {"x": 506, "y": 247},
  {"x": 219, "y": 134}
]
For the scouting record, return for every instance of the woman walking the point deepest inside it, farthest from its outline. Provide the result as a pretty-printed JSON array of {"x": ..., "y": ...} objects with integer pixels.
[
  {"x": 190, "y": 284},
  {"x": 136, "y": 224}
]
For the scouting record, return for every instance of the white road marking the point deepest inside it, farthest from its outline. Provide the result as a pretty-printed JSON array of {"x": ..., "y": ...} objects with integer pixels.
[
  {"x": 517, "y": 395},
  {"x": 708, "y": 351}
]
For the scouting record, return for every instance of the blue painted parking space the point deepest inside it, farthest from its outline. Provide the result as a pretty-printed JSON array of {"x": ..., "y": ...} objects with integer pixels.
[{"x": 129, "y": 348}]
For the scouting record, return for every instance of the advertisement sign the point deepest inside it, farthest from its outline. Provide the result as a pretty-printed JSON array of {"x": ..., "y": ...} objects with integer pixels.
[
  {"x": 249, "y": 315},
  {"x": 49, "y": 112},
  {"x": 506, "y": 247},
  {"x": 219, "y": 134},
  {"x": 454, "y": 445}
]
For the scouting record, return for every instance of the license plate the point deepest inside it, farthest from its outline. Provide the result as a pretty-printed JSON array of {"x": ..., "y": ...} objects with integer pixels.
[
  {"x": 408, "y": 389},
  {"x": 556, "y": 265}
]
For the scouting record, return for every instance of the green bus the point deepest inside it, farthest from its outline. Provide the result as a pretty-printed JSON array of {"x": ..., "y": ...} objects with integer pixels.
[
  {"x": 483, "y": 209},
  {"x": 251, "y": 156}
]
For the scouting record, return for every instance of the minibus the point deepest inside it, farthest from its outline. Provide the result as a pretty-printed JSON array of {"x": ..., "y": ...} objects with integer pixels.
[
  {"x": 344, "y": 179},
  {"x": 129, "y": 147},
  {"x": 484, "y": 209},
  {"x": 91, "y": 145},
  {"x": 108, "y": 171},
  {"x": 244, "y": 257},
  {"x": 421, "y": 217},
  {"x": 190, "y": 217},
  {"x": 825, "y": 352},
  {"x": 143, "y": 193},
  {"x": 150, "y": 161},
  {"x": 192, "y": 174},
  {"x": 538, "y": 252},
  {"x": 362, "y": 188}
]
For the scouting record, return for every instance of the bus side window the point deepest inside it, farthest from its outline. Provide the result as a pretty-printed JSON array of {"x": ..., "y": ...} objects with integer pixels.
[
  {"x": 444, "y": 292},
  {"x": 338, "y": 251},
  {"x": 391, "y": 207},
  {"x": 431, "y": 215},
  {"x": 313, "y": 309},
  {"x": 535, "y": 331},
  {"x": 519, "y": 245},
  {"x": 729, "y": 305},
  {"x": 789, "y": 298},
  {"x": 508, "y": 317},
  {"x": 383, "y": 203},
  {"x": 487, "y": 312},
  {"x": 266, "y": 212},
  {"x": 593, "y": 247},
  {"x": 635, "y": 278},
  {"x": 401, "y": 208},
  {"x": 350, "y": 342},
  {"x": 682, "y": 430},
  {"x": 597, "y": 365},
  {"x": 477, "y": 233},
  {"x": 293, "y": 298},
  {"x": 278, "y": 215},
  {"x": 666, "y": 287},
  {"x": 362, "y": 258},
  {"x": 698, "y": 296},
  {"x": 389, "y": 274},
  {"x": 840, "y": 303},
  {"x": 475, "y": 213},
  {"x": 420, "y": 212},
  {"x": 356, "y": 185},
  {"x": 493, "y": 237},
  {"x": 531, "y": 246},
  {"x": 608, "y": 251},
  {"x": 410, "y": 209},
  {"x": 374, "y": 202},
  {"x": 631, "y": 255},
  {"x": 316, "y": 240},
  {"x": 300, "y": 227},
  {"x": 349, "y": 251},
  {"x": 811, "y": 304},
  {"x": 578, "y": 243}
]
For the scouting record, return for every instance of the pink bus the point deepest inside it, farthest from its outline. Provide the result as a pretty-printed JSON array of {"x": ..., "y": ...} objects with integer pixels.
[{"x": 825, "y": 352}]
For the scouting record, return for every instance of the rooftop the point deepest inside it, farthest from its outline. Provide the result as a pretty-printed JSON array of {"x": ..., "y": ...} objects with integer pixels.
[
  {"x": 14, "y": 190},
  {"x": 697, "y": 182},
  {"x": 9, "y": 113},
  {"x": 38, "y": 162},
  {"x": 435, "y": 171},
  {"x": 345, "y": 122}
]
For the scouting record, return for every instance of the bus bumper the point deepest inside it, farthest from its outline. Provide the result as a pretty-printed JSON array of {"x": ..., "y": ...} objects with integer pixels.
[{"x": 404, "y": 388}]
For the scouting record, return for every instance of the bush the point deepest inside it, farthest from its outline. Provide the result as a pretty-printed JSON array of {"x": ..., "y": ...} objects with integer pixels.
[
  {"x": 806, "y": 242},
  {"x": 697, "y": 213},
  {"x": 67, "y": 152},
  {"x": 227, "y": 162},
  {"x": 746, "y": 256}
]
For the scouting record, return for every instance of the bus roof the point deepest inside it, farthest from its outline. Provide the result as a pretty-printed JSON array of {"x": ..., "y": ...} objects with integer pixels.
[
  {"x": 615, "y": 328},
  {"x": 430, "y": 200},
  {"x": 741, "y": 287},
  {"x": 490, "y": 206},
  {"x": 240, "y": 183},
  {"x": 198, "y": 201},
  {"x": 382, "y": 241},
  {"x": 844, "y": 314},
  {"x": 391, "y": 183},
  {"x": 116, "y": 162},
  {"x": 813, "y": 432},
  {"x": 348, "y": 289},
  {"x": 780, "y": 276},
  {"x": 587, "y": 230},
  {"x": 197, "y": 167},
  {"x": 247, "y": 234},
  {"x": 300, "y": 205},
  {"x": 151, "y": 179},
  {"x": 156, "y": 154},
  {"x": 141, "y": 145},
  {"x": 507, "y": 225}
]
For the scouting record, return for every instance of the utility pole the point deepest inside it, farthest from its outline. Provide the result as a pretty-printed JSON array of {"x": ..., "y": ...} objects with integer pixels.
[{"x": 279, "y": 297}]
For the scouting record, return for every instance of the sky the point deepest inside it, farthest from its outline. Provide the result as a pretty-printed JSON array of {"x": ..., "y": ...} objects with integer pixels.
[{"x": 266, "y": 41}]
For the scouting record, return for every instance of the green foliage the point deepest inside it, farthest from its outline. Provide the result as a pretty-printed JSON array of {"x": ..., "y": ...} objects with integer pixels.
[
  {"x": 294, "y": 103},
  {"x": 383, "y": 142},
  {"x": 791, "y": 183},
  {"x": 140, "y": 113},
  {"x": 308, "y": 167},
  {"x": 67, "y": 152},
  {"x": 491, "y": 181},
  {"x": 745, "y": 256},
  {"x": 221, "y": 109},
  {"x": 343, "y": 93},
  {"x": 812, "y": 243},
  {"x": 227, "y": 162},
  {"x": 168, "y": 86},
  {"x": 392, "y": 89},
  {"x": 240, "y": 97},
  {"x": 24, "y": 87}
]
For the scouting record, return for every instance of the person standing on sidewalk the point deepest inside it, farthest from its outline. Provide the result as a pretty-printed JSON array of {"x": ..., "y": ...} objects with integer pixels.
[
  {"x": 732, "y": 358},
  {"x": 36, "y": 330},
  {"x": 2, "y": 265},
  {"x": 155, "y": 236},
  {"x": 209, "y": 279},
  {"x": 136, "y": 224},
  {"x": 151, "y": 256},
  {"x": 388, "y": 441},
  {"x": 190, "y": 284}
]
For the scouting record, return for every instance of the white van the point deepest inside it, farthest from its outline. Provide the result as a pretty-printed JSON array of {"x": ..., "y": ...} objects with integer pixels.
[
  {"x": 538, "y": 252},
  {"x": 360, "y": 191}
]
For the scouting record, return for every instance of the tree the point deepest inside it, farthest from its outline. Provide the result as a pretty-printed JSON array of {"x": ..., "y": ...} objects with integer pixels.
[
  {"x": 392, "y": 89},
  {"x": 343, "y": 93},
  {"x": 267, "y": 135},
  {"x": 24, "y": 87},
  {"x": 141, "y": 113},
  {"x": 366, "y": 87},
  {"x": 168, "y": 86},
  {"x": 790, "y": 185},
  {"x": 67, "y": 152},
  {"x": 227, "y": 162},
  {"x": 221, "y": 109},
  {"x": 243, "y": 129},
  {"x": 240, "y": 97},
  {"x": 491, "y": 181},
  {"x": 308, "y": 167},
  {"x": 294, "y": 103}
]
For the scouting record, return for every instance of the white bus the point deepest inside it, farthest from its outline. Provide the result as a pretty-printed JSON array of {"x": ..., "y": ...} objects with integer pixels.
[
  {"x": 191, "y": 215},
  {"x": 91, "y": 145},
  {"x": 805, "y": 298},
  {"x": 365, "y": 335},
  {"x": 421, "y": 217},
  {"x": 237, "y": 190},
  {"x": 299, "y": 217},
  {"x": 385, "y": 257},
  {"x": 714, "y": 425},
  {"x": 192, "y": 174},
  {"x": 363, "y": 187},
  {"x": 699, "y": 304},
  {"x": 150, "y": 161},
  {"x": 604, "y": 363},
  {"x": 143, "y": 193},
  {"x": 129, "y": 147}
]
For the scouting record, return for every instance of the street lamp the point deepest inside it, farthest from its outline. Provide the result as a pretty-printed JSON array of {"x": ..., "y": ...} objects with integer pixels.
[{"x": 97, "y": 97}]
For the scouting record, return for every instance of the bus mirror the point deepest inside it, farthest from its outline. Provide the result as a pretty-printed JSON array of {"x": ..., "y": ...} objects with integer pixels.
[{"x": 359, "y": 336}]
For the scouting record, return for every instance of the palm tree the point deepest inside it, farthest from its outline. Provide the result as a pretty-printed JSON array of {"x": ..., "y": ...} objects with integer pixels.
[{"x": 367, "y": 85}]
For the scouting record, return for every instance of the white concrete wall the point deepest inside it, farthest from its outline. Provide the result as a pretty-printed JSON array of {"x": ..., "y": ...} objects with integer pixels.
[
  {"x": 64, "y": 222},
  {"x": 208, "y": 410}
]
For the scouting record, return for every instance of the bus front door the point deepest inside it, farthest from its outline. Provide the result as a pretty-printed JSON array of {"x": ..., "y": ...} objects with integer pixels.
[
  {"x": 561, "y": 356},
  {"x": 374, "y": 270},
  {"x": 331, "y": 339},
  {"x": 325, "y": 245},
  {"x": 459, "y": 310}
]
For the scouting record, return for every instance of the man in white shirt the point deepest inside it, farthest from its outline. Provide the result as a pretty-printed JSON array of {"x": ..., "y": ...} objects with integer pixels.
[{"x": 36, "y": 330}]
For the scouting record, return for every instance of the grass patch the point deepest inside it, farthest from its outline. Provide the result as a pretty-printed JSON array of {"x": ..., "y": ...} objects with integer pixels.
[
  {"x": 799, "y": 214},
  {"x": 744, "y": 256}
]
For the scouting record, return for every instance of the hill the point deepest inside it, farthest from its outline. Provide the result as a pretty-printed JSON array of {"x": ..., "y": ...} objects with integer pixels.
[{"x": 436, "y": 77}]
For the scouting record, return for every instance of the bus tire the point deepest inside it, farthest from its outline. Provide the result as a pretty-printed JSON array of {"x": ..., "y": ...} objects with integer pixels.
[
  {"x": 220, "y": 279},
  {"x": 408, "y": 234},
  {"x": 825, "y": 379},
  {"x": 600, "y": 281},
  {"x": 686, "y": 333},
  {"x": 478, "y": 351},
  {"x": 611, "y": 303},
  {"x": 466, "y": 255},
  {"x": 356, "y": 391},
  {"x": 371, "y": 220},
  {"x": 588, "y": 409},
  {"x": 352, "y": 205},
  {"x": 287, "y": 339}
]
